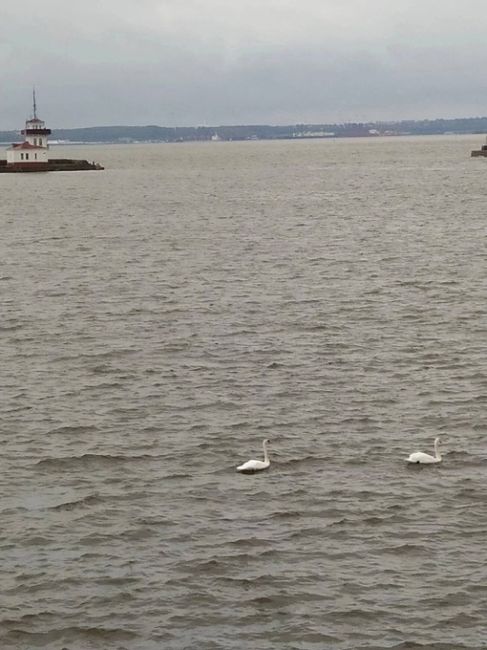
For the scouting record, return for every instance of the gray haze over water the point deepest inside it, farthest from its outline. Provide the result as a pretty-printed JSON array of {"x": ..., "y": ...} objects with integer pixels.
[{"x": 160, "y": 318}]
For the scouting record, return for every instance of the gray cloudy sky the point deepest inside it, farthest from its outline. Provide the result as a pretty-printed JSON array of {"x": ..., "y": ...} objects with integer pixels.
[{"x": 190, "y": 62}]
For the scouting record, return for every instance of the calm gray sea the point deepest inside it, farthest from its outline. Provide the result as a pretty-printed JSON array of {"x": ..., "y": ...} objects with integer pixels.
[{"x": 160, "y": 318}]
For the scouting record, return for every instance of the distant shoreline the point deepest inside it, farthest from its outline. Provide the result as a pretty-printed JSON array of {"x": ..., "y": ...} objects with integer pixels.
[
  {"x": 94, "y": 143},
  {"x": 159, "y": 134}
]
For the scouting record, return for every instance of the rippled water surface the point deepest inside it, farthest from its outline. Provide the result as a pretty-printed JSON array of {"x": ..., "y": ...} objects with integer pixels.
[{"x": 160, "y": 318}]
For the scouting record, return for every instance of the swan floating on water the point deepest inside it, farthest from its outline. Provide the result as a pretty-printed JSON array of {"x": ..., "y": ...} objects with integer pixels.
[
  {"x": 252, "y": 466},
  {"x": 426, "y": 459}
]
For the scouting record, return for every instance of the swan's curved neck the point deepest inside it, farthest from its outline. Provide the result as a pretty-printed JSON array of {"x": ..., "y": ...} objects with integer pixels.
[
  {"x": 437, "y": 452},
  {"x": 266, "y": 455}
]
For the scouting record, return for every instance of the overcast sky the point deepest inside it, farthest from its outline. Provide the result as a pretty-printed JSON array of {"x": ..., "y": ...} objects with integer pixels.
[{"x": 193, "y": 62}]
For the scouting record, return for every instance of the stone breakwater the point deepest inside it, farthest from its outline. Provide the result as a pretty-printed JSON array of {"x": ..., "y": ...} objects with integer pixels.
[{"x": 53, "y": 165}]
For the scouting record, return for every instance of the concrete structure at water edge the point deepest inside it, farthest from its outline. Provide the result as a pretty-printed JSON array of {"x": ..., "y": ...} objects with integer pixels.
[
  {"x": 480, "y": 152},
  {"x": 32, "y": 155}
]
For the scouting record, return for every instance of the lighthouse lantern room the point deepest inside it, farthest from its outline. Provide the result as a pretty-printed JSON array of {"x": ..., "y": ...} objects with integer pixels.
[{"x": 32, "y": 153}]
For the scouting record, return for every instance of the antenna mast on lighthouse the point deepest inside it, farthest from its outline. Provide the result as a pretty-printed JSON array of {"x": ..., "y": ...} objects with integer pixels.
[{"x": 34, "y": 102}]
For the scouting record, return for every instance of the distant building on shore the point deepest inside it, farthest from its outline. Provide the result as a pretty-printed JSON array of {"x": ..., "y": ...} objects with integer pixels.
[{"x": 313, "y": 134}]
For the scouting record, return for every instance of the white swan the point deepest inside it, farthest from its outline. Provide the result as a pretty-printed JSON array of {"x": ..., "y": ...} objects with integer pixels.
[
  {"x": 426, "y": 459},
  {"x": 252, "y": 466}
]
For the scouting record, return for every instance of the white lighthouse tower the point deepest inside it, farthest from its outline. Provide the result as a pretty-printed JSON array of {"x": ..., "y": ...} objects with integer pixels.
[{"x": 32, "y": 153}]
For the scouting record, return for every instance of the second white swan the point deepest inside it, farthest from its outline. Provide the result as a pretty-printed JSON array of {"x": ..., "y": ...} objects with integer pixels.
[
  {"x": 426, "y": 459},
  {"x": 252, "y": 466}
]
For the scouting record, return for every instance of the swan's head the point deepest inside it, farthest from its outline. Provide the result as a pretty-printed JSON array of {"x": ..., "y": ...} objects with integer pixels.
[
  {"x": 266, "y": 441},
  {"x": 437, "y": 441}
]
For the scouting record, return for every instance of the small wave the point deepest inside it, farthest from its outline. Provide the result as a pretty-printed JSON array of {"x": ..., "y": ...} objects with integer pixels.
[
  {"x": 347, "y": 614},
  {"x": 229, "y": 405},
  {"x": 344, "y": 521},
  {"x": 121, "y": 581},
  {"x": 90, "y": 500},
  {"x": 261, "y": 600},
  {"x": 104, "y": 368},
  {"x": 98, "y": 459},
  {"x": 286, "y": 514},
  {"x": 245, "y": 424},
  {"x": 245, "y": 582},
  {"x": 195, "y": 427},
  {"x": 74, "y": 429},
  {"x": 50, "y": 294},
  {"x": 156, "y": 520},
  {"x": 469, "y": 494},
  {"x": 41, "y": 639},
  {"x": 356, "y": 461},
  {"x": 206, "y": 566},
  {"x": 13, "y": 511},
  {"x": 465, "y": 457},
  {"x": 110, "y": 354},
  {"x": 172, "y": 477},
  {"x": 306, "y": 460},
  {"x": 11, "y": 328},
  {"x": 205, "y": 445},
  {"x": 103, "y": 386},
  {"x": 405, "y": 549},
  {"x": 34, "y": 540},
  {"x": 374, "y": 521},
  {"x": 414, "y": 645},
  {"x": 248, "y": 542}
]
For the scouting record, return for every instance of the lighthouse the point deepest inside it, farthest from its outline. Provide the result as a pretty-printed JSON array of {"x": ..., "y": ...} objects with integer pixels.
[{"x": 32, "y": 153}]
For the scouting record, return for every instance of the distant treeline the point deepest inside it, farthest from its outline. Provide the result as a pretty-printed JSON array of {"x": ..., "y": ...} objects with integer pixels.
[{"x": 122, "y": 134}]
